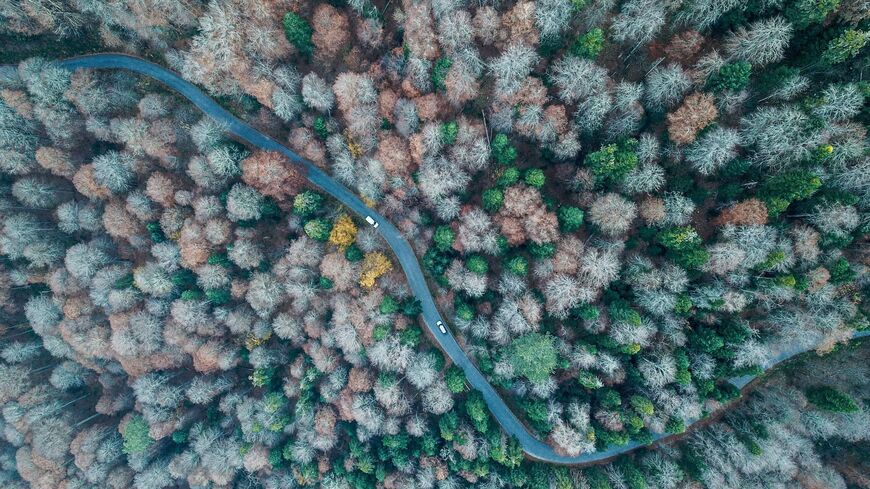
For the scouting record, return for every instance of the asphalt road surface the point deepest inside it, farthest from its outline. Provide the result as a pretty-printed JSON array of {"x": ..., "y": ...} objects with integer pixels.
[{"x": 533, "y": 447}]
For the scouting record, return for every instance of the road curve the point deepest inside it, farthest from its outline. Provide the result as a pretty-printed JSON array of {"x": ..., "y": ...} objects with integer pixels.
[{"x": 533, "y": 447}]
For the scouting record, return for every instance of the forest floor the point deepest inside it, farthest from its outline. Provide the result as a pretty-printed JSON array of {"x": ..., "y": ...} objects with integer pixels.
[{"x": 47, "y": 46}]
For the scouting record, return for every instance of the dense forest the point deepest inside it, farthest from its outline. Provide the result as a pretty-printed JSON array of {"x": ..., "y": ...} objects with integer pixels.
[{"x": 619, "y": 206}]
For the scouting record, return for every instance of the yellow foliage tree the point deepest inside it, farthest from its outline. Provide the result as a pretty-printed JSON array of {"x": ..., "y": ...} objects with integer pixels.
[
  {"x": 252, "y": 341},
  {"x": 356, "y": 150},
  {"x": 343, "y": 232},
  {"x": 374, "y": 265}
]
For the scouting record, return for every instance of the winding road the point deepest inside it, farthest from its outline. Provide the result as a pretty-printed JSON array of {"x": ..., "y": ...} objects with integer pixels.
[{"x": 533, "y": 447}]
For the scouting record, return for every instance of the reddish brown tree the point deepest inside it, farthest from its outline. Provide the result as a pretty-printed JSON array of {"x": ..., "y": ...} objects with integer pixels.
[
  {"x": 119, "y": 223},
  {"x": 86, "y": 185},
  {"x": 161, "y": 189},
  {"x": 18, "y": 101},
  {"x": 195, "y": 248},
  {"x": 486, "y": 23},
  {"x": 342, "y": 272},
  {"x": 331, "y": 30},
  {"x": 750, "y": 212},
  {"x": 525, "y": 216},
  {"x": 684, "y": 46},
  {"x": 698, "y": 111},
  {"x": 303, "y": 141},
  {"x": 359, "y": 379},
  {"x": 394, "y": 155},
  {"x": 518, "y": 25},
  {"x": 461, "y": 85},
  {"x": 272, "y": 174},
  {"x": 56, "y": 161},
  {"x": 419, "y": 34},
  {"x": 652, "y": 210},
  {"x": 569, "y": 250},
  {"x": 386, "y": 103},
  {"x": 324, "y": 421},
  {"x": 430, "y": 107}
]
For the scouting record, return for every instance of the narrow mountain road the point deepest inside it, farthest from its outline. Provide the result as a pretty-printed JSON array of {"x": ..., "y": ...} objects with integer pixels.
[{"x": 533, "y": 447}]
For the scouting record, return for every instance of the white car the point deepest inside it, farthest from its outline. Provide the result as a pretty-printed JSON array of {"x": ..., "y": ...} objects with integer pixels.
[
  {"x": 441, "y": 327},
  {"x": 372, "y": 222}
]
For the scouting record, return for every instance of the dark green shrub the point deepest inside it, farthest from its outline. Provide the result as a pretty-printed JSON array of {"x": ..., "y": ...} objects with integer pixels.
[
  {"x": 589, "y": 45},
  {"x": 732, "y": 76},
  {"x": 830, "y": 399},
  {"x": 298, "y": 32},
  {"x": 502, "y": 150}
]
